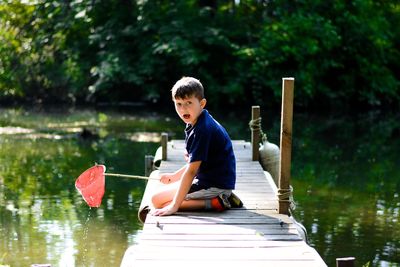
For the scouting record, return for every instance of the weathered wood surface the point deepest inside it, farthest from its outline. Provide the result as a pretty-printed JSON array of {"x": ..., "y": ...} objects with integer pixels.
[
  {"x": 255, "y": 234},
  {"x": 285, "y": 144}
]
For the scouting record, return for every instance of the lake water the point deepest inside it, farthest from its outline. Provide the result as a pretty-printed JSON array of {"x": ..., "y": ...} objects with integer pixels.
[{"x": 345, "y": 174}]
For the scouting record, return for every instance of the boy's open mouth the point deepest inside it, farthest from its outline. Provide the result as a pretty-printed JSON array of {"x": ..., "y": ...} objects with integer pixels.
[{"x": 186, "y": 116}]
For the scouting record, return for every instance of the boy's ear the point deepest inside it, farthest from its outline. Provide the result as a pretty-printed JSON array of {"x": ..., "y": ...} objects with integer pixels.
[{"x": 203, "y": 103}]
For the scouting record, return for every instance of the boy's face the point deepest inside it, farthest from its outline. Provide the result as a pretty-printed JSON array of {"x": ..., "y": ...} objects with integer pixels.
[{"x": 189, "y": 108}]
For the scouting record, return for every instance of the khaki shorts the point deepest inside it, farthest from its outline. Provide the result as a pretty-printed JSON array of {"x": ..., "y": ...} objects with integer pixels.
[{"x": 196, "y": 192}]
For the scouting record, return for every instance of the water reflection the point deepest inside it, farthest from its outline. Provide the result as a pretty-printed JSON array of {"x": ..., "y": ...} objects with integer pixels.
[
  {"x": 44, "y": 220},
  {"x": 346, "y": 179}
]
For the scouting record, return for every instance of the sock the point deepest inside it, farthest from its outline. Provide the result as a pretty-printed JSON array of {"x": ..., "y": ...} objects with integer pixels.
[
  {"x": 216, "y": 204},
  {"x": 208, "y": 205}
]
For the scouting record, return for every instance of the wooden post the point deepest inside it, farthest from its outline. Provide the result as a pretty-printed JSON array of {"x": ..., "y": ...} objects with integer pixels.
[
  {"x": 164, "y": 145},
  {"x": 345, "y": 262},
  {"x": 148, "y": 164},
  {"x": 286, "y": 144},
  {"x": 255, "y": 132}
]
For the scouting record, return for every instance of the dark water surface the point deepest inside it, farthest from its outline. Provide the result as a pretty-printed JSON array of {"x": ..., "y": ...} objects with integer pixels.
[{"x": 345, "y": 174}]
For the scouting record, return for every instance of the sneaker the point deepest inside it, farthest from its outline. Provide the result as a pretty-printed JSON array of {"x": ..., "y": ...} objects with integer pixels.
[
  {"x": 223, "y": 199},
  {"x": 142, "y": 214},
  {"x": 235, "y": 201}
]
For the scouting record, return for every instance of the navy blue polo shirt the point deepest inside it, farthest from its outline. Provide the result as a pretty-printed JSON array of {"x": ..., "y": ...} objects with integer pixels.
[{"x": 207, "y": 141}]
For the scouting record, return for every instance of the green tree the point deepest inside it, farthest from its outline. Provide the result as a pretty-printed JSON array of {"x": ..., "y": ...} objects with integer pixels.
[{"x": 340, "y": 52}]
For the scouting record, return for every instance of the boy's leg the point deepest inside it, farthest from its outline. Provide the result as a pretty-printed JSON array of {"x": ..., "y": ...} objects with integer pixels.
[
  {"x": 211, "y": 199},
  {"x": 197, "y": 204},
  {"x": 167, "y": 193},
  {"x": 164, "y": 196}
]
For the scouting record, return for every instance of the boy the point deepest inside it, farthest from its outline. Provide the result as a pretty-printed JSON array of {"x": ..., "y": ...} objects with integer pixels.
[{"x": 207, "y": 180}]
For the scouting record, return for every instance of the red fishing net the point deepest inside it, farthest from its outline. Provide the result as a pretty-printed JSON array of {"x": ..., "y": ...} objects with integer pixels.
[{"x": 91, "y": 185}]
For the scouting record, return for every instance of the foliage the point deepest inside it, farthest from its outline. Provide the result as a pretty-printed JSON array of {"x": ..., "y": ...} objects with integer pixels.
[{"x": 340, "y": 52}]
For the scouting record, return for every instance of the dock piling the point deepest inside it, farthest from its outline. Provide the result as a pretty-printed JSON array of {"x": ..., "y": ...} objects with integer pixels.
[
  {"x": 255, "y": 133},
  {"x": 345, "y": 262},
  {"x": 164, "y": 143},
  {"x": 148, "y": 164},
  {"x": 285, "y": 145}
]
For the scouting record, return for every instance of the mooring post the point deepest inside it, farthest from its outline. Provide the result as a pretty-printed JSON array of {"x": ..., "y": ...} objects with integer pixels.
[
  {"x": 285, "y": 145},
  {"x": 255, "y": 132},
  {"x": 164, "y": 145},
  {"x": 345, "y": 262},
  {"x": 148, "y": 164}
]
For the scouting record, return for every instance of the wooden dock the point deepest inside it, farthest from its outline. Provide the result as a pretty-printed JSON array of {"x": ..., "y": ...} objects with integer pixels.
[{"x": 255, "y": 235}]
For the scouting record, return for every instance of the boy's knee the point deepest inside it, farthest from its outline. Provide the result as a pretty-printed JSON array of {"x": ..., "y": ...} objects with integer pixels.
[{"x": 155, "y": 200}]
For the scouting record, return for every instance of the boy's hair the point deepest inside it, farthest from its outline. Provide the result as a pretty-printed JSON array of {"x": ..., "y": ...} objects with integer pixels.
[{"x": 187, "y": 87}]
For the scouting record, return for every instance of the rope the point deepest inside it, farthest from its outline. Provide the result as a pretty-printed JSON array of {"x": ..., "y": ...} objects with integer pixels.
[
  {"x": 255, "y": 125},
  {"x": 286, "y": 195}
]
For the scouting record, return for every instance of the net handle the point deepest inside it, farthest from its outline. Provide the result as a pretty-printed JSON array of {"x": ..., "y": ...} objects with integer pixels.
[{"x": 131, "y": 176}]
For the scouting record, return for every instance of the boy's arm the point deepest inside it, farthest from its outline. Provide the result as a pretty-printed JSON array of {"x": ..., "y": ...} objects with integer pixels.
[
  {"x": 167, "y": 178},
  {"x": 186, "y": 181}
]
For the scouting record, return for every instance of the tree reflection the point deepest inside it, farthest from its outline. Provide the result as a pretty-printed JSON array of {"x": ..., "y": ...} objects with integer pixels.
[
  {"x": 346, "y": 183},
  {"x": 43, "y": 218}
]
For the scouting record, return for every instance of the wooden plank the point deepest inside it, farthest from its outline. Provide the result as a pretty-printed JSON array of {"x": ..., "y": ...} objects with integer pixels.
[
  {"x": 227, "y": 243},
  {"x": 221, "y": 254},
  {"x": 213, "y": 221},
  {"x": 217, "y": 241},
  {"x": 166, "y": 238},
  {"x": 261, "y": 229},
  {"x": 232, "y": 213},
  {"x": 231, "y": 263}
]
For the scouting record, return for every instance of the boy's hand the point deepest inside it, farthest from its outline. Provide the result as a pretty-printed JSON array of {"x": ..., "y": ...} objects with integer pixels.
[
  {"x": 186, "y": 156},
  {"x": 167, "y": 210},
  {"x": 166, "y": 178}
]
